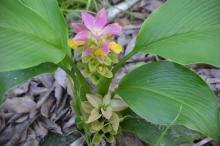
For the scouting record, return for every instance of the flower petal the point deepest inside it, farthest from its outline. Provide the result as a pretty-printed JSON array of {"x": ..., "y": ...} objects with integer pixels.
[
  {"x": 93, "y": 116},
  {"x": 104, "y": 71},
  {"x": 113, "y": 29},
  {"x": 96, "y": 126},
  {"x": 74, "y": 43},
  {"x": 93, "y": 65},
  {"x": 88, "y": 20},
  {"x": 115, "y": 47},
  {"x": 101, "y": 19},
  {"x": 107, "y": 99},
  {"x": 94, "y": 100},
  {"x": 107, "y": 128},
  {"x": 77, "y": 27},
  {"x": 86, "y": 106},
  {"x": 82, "y": 36},
  {"x": 99, "y": 54},
  {"x": 115, "y": 121},
  {"x": 87, "y": 52},
  {"x": 105, "y": 48},
  {"x": 118, "y": 105},
  {"x": 107, "y": 113}
]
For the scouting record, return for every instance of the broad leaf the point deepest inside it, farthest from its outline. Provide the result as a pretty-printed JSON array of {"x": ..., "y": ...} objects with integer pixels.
[
  {"x": 12, "y": 78},
  {"x": 185, "y": 31},
  {"x": 156, "y": 91},
  {"x": 31, "y": 33},
  {"x": 54, "y": 18},
  {"x": 150, "y": 133}
]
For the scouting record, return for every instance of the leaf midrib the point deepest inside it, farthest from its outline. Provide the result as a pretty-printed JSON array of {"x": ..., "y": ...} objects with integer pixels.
[{"x": 165, "y": 95}]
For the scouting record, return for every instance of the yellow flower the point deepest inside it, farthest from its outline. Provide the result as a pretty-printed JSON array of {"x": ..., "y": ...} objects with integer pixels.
[
  {"x": 115, "y": 47},
  {"x": 73, "y": 43},
  {"x": 99, "y": 53}
]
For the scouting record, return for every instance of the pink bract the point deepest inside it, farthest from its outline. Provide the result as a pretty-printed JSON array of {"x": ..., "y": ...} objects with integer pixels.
[
  {"x": 87, "y": 52},
  {"x": 105, "y": 48},
  {"x": 77, "y": 27},
  {"x": 95, "y": 26},
  {"x": 82, "y": 36}
]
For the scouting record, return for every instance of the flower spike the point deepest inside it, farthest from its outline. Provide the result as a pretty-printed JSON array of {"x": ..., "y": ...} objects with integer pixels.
[{"x": 93, "y": 40}]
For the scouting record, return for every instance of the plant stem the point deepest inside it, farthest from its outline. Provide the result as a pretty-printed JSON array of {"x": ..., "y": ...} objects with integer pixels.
[
  {"x": 104, "y": 83},
  {"x": 78, "y": 74},
  {"x": 87, "y": 139},
  {"x": 168, "y": 127},
  {"x": 88, "y": 4},
  {"x": 78, "y": 85},
  {"x": 123, "y": 60}
]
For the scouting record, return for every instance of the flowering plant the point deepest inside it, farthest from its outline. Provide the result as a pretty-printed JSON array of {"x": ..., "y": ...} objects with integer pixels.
[
  {"x": 164, "y": 97},
  {"x": 94, "y": 42}
]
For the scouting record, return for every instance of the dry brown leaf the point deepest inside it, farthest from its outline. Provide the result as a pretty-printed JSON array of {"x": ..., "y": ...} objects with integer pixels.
[
  {"x": 51, "y": 125},
  {"x": 46, "y": 107},
  {"x": 40, "y": 130},
  {"x": 2, "y": 122},
  {"x": 46, "y": 80},
  {"x": 19, "y": 105},
  {"x": 60, "y": 77}
]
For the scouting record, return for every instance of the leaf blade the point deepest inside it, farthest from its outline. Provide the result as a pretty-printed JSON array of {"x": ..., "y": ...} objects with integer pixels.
[
  {"x": 156, "y": 91},
  {"x": 182, "y": 28},
  {"x": 150, "y": 133},
  {"x": 26, "y": 39}
]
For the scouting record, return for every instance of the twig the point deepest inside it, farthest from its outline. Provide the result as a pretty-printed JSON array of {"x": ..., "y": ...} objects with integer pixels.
[
  {"x": 115, "y": 10},
  {"x": 213, "y": 80},
  {"x": 203, "y": 142}
]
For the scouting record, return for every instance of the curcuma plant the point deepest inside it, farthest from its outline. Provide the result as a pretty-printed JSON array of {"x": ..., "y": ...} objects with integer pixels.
[{"x": 163, "y": 103}]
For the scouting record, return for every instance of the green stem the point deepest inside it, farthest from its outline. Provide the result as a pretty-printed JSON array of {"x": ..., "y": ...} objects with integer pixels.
[
  {"x": 87, "y": 139},
  {"x": 123, "y": 60},
  {"x": 78, "y": 91},
  {"x": 158, "y": 143},
  {"x": 71, "y": 76},
  {"x": 88, "y": 4},
  {"x": 104, "y": 83},
  {"x": 79, "y": 75}
]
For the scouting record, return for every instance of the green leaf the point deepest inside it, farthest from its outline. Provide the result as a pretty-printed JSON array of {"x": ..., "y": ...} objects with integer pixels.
[
  {"x": 54, "y": 18},
  {"x": 156, "y": 91},
  {"x": 185, "y": 31},
  {"x": 12, "y": 78},
  {"x": 31, "y": 32},
  {"x": 150, "y": 133}
]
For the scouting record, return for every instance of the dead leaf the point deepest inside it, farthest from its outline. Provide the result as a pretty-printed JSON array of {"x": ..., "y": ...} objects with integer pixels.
[
  {"x": 60, "y": 77},
  {"x": 19, "y": 105},
  {"x": 46, "y": 107}
]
